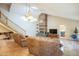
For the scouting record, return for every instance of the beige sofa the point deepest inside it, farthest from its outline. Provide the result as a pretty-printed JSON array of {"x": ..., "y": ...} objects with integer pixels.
[
  {"x": 39, "y": 46},
  {"x": 42, "y": 46}
]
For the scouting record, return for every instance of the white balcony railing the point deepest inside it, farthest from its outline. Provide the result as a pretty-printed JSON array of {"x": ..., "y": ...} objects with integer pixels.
[{"x": 7, "y": 21}]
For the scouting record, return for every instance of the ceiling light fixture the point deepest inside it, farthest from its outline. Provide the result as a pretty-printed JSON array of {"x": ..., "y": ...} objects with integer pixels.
[{"x": 29, "y": 16}]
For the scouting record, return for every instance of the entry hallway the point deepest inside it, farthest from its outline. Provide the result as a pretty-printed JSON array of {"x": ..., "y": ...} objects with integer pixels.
[{"x": 10, "y": 48}]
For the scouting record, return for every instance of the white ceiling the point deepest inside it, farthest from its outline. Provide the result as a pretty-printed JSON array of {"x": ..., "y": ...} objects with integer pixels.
[{"x": 66, "y": 10}]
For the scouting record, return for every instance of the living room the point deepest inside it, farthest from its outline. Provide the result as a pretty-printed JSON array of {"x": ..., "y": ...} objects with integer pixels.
[{"x": 50, "y": 20}]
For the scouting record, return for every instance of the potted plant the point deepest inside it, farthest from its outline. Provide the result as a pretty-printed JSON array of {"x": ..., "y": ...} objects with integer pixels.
[{"x": 76, "y": 30}]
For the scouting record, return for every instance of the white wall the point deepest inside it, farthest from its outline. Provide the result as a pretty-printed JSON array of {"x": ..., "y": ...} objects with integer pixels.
[
  {"x": 2, "y": 29},
  {"x": 17, "y": 11},
  {"x": 54, "y": 22}
]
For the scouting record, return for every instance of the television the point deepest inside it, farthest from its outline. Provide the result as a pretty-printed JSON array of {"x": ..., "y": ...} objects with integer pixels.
[{"x": 53, "y": 31}]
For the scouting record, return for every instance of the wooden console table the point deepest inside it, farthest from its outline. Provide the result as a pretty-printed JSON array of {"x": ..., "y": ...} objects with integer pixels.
[
  {"x": 53, "y": 35},
  {"x": 7, "y": 35}
]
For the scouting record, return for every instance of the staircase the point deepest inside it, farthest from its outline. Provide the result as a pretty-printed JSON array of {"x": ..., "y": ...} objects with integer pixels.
[{"x": 6, "y": 21}]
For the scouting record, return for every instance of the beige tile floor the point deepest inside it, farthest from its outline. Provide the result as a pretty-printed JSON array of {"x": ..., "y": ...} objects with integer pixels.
[{"x": 10, "y": 48}]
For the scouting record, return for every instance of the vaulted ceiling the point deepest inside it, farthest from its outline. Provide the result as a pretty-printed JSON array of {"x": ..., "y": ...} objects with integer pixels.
[{"x": 66, "y": 10}]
